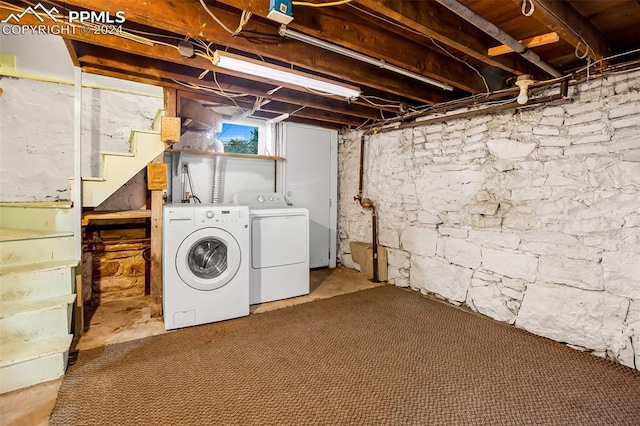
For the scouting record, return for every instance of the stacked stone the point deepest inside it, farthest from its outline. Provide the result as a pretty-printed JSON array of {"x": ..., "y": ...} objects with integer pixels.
[{"x": 530, "y": 217}]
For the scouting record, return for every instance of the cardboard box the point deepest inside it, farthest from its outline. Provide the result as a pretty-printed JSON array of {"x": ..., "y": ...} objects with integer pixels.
[{"x": 362, "y": 253}]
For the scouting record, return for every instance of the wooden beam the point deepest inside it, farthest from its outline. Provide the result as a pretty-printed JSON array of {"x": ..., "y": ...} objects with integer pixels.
[
  {"x": 345, "y": 26},
  {"x": 72, "y": 52},
  {"x": 448, "y": 29},
  {"x": 157, "y": 202},
  {"x": 561, "y": 17},
  {"x": 311, "y": 116},
  {"x": 540, "y": 40},
  {"x": 98, "y": 56},
  {"x": 187, "y": 18}
]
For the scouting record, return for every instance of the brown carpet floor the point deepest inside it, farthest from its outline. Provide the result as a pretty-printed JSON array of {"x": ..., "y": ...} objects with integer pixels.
[{"x": 381, "y": 356}]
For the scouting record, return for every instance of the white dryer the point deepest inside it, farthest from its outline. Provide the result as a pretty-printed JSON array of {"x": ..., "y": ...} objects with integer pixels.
[
  {"x": 205, "y": 263},
  {"x": 279, "y": 260}
]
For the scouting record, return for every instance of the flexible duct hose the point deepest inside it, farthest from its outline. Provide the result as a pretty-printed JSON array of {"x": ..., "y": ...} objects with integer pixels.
[{"x": 216, "y": 192}]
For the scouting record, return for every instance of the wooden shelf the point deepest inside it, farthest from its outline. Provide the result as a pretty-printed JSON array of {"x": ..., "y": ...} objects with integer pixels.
[
  {"x": 88, "y": 217},
  {"x": 227, "y": 154}
]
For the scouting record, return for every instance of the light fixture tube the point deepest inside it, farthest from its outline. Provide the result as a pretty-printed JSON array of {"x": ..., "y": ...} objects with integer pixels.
[
  {"x": 245, "y": 65},
  {"x": 285, "y": 32}
]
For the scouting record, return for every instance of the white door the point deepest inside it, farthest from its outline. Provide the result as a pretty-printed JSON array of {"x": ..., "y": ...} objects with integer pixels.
[{"x": 310, "y": 180}]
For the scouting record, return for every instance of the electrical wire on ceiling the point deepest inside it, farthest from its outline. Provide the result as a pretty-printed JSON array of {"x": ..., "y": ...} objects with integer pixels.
[
  {"x": 458, "y": 103},
  {"x": 244, "y": 18},
  {"x": 391, "y": 104},
  {"x": 484, "y": 81},
  {"x": 532, "y": 8},
  {"x": 328, "y": 4},
  {"x": 209, "y": 89},
  {"x": 579, "y": 36},
  {"x": 411, "y": 30}
]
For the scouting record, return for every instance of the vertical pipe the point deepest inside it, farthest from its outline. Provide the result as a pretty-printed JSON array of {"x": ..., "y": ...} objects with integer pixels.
[
  {"x": 368, "y": 204},
  {"x": 361, "y": 166},
  {"x": 374, "y": 226}
]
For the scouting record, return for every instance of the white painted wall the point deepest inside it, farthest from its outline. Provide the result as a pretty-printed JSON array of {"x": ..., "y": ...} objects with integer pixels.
[
  {"x": 36, "y": 134},
  {"x": 36, "y": 120},
  {"x": 238, "y": 175},
  {"x": 47, "y": 56},
  {"x": 531, "y": 218}
]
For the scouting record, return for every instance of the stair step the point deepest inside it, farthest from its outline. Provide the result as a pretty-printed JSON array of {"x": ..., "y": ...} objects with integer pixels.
[
  {"x": 157, "y": 121},
  {"x": 118, "y": 153},
  {"x": 11, "y": 309},
  {"x": 13, "y": 234},
  {"x": 52, "y": 215},
  {"x": 29, "y": 363},
  {"x": 14, "y": 353},
  {"x": 36, "y": 281},
  {"x": 119, "y": 167},
  {"x": 35, "y": 319},
  {"x": 21, "y": 246}
]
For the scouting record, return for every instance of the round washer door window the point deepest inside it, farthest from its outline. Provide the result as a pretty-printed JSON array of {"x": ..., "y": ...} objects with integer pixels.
[{"x": 208, "y": 259}]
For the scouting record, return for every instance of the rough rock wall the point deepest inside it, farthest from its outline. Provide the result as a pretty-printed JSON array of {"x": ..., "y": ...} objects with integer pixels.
[
  {"x": 531, "y": 218},
  {"x": 36, "y": 134}
]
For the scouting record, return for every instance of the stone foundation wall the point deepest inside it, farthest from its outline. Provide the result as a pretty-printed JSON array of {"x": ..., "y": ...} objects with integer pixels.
[
  {"x": 118, "y": 265},
  {"x": 531, "y": 218}
]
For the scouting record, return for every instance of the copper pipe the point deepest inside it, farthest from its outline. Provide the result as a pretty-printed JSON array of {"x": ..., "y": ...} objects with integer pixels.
[{"x": 366, "y": 203}]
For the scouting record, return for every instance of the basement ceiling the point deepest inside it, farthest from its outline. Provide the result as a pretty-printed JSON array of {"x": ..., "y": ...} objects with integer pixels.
[{"x": 423, "y": 37}]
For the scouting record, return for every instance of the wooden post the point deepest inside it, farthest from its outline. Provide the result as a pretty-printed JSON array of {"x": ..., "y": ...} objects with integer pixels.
[
  {"x": 78, "y": 324},
  {"x": 171, "y": 109}
]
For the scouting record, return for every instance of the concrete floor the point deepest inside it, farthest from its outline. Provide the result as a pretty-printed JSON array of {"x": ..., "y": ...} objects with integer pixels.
[{"x": 130, "y": 319}]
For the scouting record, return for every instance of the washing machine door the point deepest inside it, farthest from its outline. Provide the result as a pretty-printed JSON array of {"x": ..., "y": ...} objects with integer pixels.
[{"x": 208, "y": 259}]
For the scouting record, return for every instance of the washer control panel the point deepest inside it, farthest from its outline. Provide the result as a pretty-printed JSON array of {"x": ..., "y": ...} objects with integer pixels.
[{"x": 214, "y": 215}]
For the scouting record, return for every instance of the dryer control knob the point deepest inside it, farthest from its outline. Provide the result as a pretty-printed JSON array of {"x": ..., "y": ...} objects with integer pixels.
[
  {"x": 209, "y": 214},
  {"x": 260, "y": 199}
]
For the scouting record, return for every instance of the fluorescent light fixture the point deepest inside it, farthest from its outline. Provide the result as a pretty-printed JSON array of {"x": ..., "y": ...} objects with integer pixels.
[
  {"x": 272, "y": 72},
  {"x": 285, "y": 32}
]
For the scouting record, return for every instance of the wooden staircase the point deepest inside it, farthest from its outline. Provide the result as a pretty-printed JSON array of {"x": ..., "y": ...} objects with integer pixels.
[
  {"x": 119, "y": 167},
  {"x": 36, "y": 292}
]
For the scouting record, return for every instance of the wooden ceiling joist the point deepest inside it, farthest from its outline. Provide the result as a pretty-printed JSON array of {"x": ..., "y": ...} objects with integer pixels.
[
  {"x": 422, "y": 37},
  {"x": 561, "y": 17},
  {"x": 444, "y": 27},
  {"x": 140, "y": 65},
  {"x": 187, "y": 18},
  {"x": 343, "y": 27}
]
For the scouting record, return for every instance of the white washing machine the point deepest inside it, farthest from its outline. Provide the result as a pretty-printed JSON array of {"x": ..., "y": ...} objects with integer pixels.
[
  {"x": 205, "y": 263},
  {"x": 279, "y": 260}
]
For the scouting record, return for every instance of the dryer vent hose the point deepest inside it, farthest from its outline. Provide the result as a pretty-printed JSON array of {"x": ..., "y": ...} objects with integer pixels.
[{"x": 216, "y": 192}]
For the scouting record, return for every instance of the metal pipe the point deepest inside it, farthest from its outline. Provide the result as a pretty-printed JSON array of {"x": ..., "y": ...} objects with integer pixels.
[
  {"x": 499, "y": 35},
  {"x": 361, "y": 166},
  {"x": 366, "y": 203},
  {"x": 286, "y": 32},
  {"x": 467, "y": 114}
]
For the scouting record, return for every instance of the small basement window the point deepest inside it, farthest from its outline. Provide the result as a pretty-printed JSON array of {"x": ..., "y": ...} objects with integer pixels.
[{"x": 242, "y": 137}]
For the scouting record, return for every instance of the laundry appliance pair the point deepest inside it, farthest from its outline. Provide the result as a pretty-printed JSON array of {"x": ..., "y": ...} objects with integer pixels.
[{"x": 218, "y": 259}]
